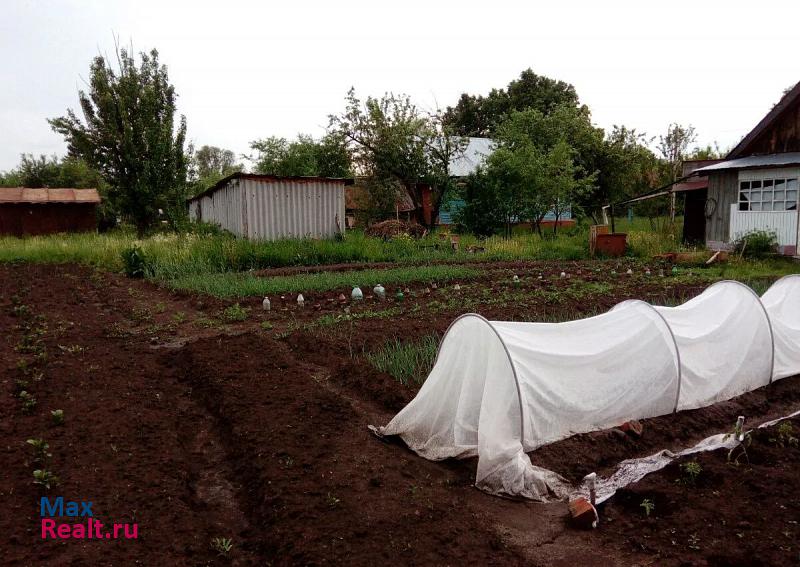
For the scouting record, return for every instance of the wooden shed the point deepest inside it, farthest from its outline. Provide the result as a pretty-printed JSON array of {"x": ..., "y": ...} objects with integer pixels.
[
  {"x": 757, "y": 185},
  {"x": 26, "y": 211}
]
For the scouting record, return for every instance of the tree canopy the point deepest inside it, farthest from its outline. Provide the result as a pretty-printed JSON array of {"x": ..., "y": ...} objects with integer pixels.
[
  {"x": 477, "y": 115},
  {"x": 129, "y": 134},
  {"x": 209, "y": 164},
  {"x": 51, "y": 171},
  {"x": 304, "y": 156},
  {"x": 392, "y": 142}
]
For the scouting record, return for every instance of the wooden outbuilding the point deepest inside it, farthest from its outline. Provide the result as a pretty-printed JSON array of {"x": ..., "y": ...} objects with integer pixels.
[{"x": 26, "y": 211}]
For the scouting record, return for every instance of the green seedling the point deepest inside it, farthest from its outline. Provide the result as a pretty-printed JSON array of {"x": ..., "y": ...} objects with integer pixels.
[
  {"x": 235, "y": 312},
  {"x": 785, "y": 437},
  {"x": 691, "y": 472},
  {"x": 28, "y": 402},
  {"x": 57, "y": 416},
  {"x": 332, "y": 501},
  {"x": 40, "y": 450},
  {"x": 648, "y": 506},
  {"x": 45, "y": 478},
  {"x": 222, "y": 545}
]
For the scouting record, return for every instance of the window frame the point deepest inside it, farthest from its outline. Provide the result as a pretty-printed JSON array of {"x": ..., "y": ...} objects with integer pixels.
[{"x": 767, "y": 182}]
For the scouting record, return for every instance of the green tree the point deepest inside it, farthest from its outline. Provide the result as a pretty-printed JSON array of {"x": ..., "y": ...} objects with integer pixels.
[
  {"x": 209, "y": 164},
  {"x": 486, "y": 209},
  {"x": 626, "y": 168},
  {"x": 481, "y": 115},
  {"x": 709, "y": 151},
  {"x": 128, "y": 133},
  {"x": 302, "y": 157},
  {"x": 44, "y": 171},
  {"x": 674, "y": 147},
  {"x": 392, "y": 142},
  {"x": 537, "y": 165}
]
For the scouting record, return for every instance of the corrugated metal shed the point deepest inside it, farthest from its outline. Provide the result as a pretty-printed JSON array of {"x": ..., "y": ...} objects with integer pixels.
[
  {"x": 268, "y": 207},
  {"x": 48, "y": 195}
]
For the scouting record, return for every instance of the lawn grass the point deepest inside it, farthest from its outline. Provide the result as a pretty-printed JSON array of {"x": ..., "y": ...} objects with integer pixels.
[{"x": 232, "y": 284}]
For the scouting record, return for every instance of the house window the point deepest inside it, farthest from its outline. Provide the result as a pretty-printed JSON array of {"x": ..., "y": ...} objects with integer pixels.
[{"x": 779, "y": 194}]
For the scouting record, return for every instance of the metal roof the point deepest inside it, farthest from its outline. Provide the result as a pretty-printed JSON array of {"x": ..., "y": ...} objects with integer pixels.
[
  {"x": 473, "y": 156},
  {"x": 48, "y": 195},
  {"x": 752, "y": 162},
  {"x": 262, "y": 177}
]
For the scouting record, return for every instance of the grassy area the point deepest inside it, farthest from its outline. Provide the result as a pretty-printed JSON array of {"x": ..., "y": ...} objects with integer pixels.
[
  {"x": 232, "y": 284},
  {"x": 172, "y": 255},
  {"x": 220, "y": 265},
  {"x": 406, "y": 361}
]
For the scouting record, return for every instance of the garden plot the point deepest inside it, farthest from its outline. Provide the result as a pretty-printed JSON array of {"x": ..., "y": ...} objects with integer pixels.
[{"x": 211, "y": 421}]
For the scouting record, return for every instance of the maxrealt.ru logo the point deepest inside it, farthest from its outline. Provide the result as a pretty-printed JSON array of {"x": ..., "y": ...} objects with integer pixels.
[{"x": 86, "y": 527}]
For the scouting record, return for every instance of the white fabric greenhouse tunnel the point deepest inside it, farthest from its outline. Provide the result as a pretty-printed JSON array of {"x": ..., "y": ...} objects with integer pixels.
[{"x": 499, "y": 390}]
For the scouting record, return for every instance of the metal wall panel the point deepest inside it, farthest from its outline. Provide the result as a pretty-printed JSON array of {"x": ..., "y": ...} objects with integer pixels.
[
  {"x": 784, "y": 223},
  {"x": 274, "y": 209}
]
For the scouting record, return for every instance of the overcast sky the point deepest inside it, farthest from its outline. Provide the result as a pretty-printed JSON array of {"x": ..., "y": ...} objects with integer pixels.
[{"x": 246, "y": 70}]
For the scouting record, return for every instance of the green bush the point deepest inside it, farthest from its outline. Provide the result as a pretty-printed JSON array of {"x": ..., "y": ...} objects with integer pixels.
[
  {"x": 756, "y": 243},
  {"x": 135, "y": 262}
]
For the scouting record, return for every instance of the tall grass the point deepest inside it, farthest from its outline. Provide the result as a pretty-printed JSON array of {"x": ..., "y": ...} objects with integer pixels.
[
  {"x": 171, "y": 256},
  {"x": 407, "y": 362}
]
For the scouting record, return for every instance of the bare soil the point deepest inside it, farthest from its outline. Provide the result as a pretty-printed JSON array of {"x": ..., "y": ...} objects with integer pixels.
[{"x": 196, "y": 427}]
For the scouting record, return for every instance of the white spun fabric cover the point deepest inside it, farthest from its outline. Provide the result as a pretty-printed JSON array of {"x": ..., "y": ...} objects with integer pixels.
[
  {"x": 782, "y": 302},
  {"x": 491, "y": 392},
  {"x": 501, "y": 389},
  {"x": 724, "y": 344}
]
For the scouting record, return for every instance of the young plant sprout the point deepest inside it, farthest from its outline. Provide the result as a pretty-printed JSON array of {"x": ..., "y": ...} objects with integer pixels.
[{"x": 58, "y": 416}]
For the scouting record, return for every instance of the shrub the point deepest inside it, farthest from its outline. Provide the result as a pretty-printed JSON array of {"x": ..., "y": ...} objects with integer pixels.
[
  {"x": 135, "y": 262},
  {"x": 756, "y": 243}
]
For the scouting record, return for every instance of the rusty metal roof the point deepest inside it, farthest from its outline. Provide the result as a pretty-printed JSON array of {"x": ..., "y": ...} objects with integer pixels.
[{"x": 48, "y": 195}]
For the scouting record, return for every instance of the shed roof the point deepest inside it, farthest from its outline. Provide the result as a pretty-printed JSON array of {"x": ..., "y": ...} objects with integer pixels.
[
  {"x": 786, "y": 101},
  {"x": 752, "y": 162},
  {"x": 48, "y": 195},
  {"x": 263, "y": 177}
]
